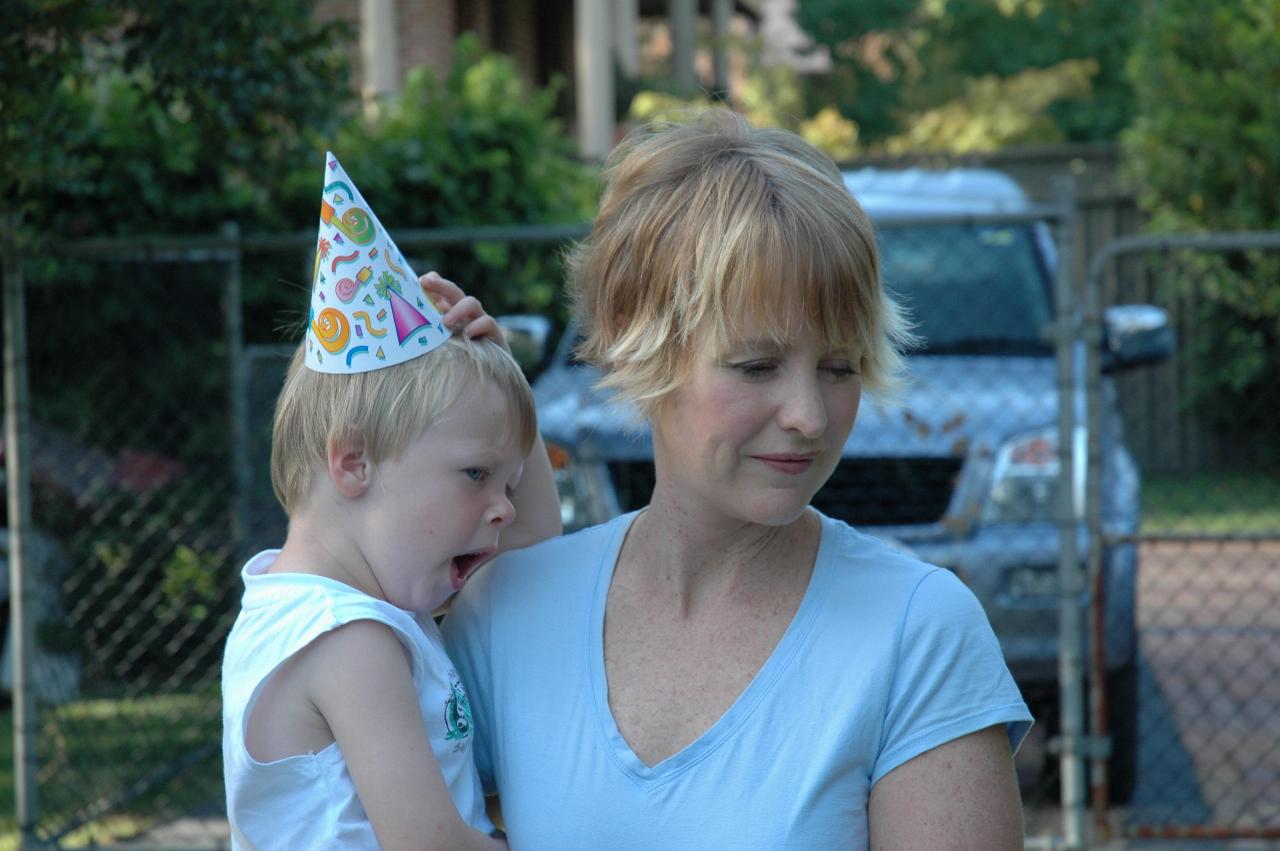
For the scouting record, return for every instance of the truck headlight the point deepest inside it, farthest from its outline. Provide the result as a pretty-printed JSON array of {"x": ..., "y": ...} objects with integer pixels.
[
  {"x": 1026, "y": 477},
  {"x": 572, "y": 513}
]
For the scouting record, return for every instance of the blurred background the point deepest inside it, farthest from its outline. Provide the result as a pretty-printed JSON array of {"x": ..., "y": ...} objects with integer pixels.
[{"x": 160, "y": 163}]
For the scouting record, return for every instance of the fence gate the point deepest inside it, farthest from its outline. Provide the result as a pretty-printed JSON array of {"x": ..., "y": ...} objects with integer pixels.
[
  {"x": 1206, "y": 677},
  {"x": 132, "y": 436},
  {"x": 139, "y": 438}
]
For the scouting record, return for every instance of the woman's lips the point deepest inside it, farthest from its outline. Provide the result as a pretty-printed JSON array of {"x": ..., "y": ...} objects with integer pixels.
[{"x": 791, "y": 464}]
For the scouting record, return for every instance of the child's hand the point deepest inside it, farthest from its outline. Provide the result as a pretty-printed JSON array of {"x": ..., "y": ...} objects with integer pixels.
[{"x": 459, "y": 310}]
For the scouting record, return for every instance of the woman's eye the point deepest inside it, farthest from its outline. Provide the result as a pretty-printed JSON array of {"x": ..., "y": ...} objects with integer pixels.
[
  {"x": 476, "y": 474},
  {"x": 839, "y": 370}
]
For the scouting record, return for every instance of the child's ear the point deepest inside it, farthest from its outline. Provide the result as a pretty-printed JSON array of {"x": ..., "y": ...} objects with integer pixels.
[{"x": 350, "y": 467}]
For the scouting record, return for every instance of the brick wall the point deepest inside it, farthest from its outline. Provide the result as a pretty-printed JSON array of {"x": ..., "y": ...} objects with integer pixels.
[
  {"x": 516, "y": 34},
  {"x": 536, "y": 34},
  {"x": 349, "y": 11},
  {"x": 427, "y": 30}
]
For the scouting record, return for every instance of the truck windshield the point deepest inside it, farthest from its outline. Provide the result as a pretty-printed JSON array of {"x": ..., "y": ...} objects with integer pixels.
[{"x": 970, "y": 289}]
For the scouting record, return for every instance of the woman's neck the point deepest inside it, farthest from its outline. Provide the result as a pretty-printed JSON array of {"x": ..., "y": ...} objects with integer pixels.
[{"x": 695, "y": 559}]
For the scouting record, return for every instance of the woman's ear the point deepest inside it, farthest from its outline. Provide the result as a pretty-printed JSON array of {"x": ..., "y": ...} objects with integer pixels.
[{"x": 350, "y": 467}]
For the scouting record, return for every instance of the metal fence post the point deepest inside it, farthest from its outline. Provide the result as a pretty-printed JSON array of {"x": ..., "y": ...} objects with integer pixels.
[
  {"x": 1092, "y": 328},
  {"x": 18, "y": 487},
  {"x": 237, "y": 385},
  {"x": 1070, "y": 621}
]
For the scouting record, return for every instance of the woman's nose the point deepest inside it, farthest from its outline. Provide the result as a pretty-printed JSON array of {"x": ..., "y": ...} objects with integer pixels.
[{"x": 804, "y": 408}]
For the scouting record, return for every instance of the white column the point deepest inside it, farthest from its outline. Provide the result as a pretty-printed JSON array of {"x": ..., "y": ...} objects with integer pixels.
[
  {"x": 721, "y": 12},
  {"x": 379, "y": 48},
  {"x": 626, "y": 43},
  {"x": 593, "y": 73},
  {"x": 682, "y": 17}
]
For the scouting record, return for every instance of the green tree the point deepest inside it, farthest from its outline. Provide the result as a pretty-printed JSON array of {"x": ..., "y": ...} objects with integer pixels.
[
  {"x": 475, "y": 147},
  {"x": 1204, "y": 151},
  {"x": 990, "y": 62},
  {"x": 129, "y": 116},
  {"x": 995, "y": 112},
  {"x": 872, "y": 44}
]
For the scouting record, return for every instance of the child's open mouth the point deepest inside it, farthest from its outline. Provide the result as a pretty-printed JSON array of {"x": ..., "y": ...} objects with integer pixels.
[{"x": 466, "y": 564}]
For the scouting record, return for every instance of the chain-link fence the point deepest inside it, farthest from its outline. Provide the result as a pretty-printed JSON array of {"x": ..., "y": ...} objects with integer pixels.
[
  {"x": 148, "y": 436},
  {"x": 147, "y": 439},
  {"x": 1206, "y": 682},
  {"x": 131, "y": 549}
]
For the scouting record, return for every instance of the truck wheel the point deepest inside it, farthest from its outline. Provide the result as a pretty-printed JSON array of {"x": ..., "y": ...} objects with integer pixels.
[{"x": 1122, "y": 727}]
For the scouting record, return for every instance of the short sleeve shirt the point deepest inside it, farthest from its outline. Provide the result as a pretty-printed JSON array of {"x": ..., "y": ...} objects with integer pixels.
[{"x": 885, "y": 658}]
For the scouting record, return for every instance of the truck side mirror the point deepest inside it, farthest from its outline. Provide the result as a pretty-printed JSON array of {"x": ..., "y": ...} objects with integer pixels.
[
  {"x": 527, "y": 334},
  {"x": 1134, "y": 335}
]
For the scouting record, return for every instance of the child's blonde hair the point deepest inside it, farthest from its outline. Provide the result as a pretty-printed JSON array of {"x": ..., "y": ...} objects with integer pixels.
[
  {"x": 710, "y": 226},
  {"x": 384, "y": 410}
]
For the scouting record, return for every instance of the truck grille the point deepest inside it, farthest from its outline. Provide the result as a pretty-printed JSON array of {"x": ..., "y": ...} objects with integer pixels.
[
  {"x": 861, "y": 491},
  {"x": 889, "y": 491}
]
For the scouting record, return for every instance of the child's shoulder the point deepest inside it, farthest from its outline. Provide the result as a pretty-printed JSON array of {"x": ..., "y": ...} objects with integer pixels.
[{"x": 355, "y": 644}]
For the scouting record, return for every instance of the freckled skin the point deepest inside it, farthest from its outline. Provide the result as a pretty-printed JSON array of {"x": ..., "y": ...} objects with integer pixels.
[{"x": 718, "y": 564}]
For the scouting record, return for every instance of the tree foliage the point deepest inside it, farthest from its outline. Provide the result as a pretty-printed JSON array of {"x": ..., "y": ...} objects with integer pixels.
[
  {"x": 1204, "y": 151},
  {"x": 137, "y": 118},
  {"x": 477, "y": 146},
  {"x": 995, "y": 112},
  {"x": 985, "y": 62},
  {"x": 1205, "y": 144},
  {"x": 126, "y": 116}
]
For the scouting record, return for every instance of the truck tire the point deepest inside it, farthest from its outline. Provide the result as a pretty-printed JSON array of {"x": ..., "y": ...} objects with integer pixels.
[{"x": 1122, "y": 727}]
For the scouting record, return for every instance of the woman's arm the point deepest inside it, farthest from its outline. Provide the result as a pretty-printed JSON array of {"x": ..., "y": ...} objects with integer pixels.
[
  {"x": 359, "y": 680},
  {"x": 959, "y": 796},
  {"x": 536, "y": 500}
]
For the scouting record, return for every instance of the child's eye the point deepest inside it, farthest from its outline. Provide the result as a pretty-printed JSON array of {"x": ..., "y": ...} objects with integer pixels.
[
  {"x": 839, "y": 370},
  {"x": 755, "y": 369},
  {"x": 476, "y": 474}
]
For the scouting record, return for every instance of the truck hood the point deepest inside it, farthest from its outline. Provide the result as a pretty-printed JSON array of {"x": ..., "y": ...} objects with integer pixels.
[{"x": 948, "y": 405}]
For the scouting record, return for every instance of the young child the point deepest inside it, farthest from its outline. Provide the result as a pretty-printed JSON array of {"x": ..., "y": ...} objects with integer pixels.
[{"x": 401, "y": 453}]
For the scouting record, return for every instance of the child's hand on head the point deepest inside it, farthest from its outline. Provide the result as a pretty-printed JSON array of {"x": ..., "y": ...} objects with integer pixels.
[{"x": 459, "y": 310}]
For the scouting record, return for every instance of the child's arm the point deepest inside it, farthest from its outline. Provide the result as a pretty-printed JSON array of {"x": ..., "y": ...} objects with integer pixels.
[
  {"x": 537, "y": 503},
  {"x": 359, "y": 680},
  {"x": 536, "y": 500}
]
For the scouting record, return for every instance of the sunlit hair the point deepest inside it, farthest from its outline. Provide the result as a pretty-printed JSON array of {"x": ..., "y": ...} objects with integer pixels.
[
  {"x": 386, "y": 409},
  {"x": 708, "y": 228}
]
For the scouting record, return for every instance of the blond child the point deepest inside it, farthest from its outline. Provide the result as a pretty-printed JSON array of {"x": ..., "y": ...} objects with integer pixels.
[{"x": 403, "y": 470}]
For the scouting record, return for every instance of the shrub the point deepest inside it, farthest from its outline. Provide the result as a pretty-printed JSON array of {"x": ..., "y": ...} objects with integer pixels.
[
  {"x": 478, "y": 147},
  {"x": 1204, "y": 152}
]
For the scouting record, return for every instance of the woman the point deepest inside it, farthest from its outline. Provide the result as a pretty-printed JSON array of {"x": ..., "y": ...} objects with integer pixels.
[{"x": 727, "y": 667}]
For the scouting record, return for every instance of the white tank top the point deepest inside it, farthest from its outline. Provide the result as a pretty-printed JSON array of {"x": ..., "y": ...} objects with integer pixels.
[{"x": 309, "y": 801}]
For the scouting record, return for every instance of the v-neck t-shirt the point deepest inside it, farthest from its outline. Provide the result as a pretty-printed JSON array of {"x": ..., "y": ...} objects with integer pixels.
[{"x": 885, "y": 658}]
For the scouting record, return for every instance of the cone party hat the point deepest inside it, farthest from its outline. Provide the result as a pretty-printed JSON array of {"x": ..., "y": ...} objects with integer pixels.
[{"x": 367, "y": 310}]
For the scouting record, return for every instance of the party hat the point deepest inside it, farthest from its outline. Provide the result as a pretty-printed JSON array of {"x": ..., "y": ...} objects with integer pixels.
[{"x": 367, "y": 310}]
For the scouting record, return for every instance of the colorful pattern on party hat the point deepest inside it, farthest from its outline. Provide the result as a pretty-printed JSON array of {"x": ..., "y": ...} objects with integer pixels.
[{"x": 367, "y": 310}]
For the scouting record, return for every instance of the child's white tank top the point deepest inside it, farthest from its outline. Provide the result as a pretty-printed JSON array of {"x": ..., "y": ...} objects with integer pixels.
[{"x": 309, "y": 801}]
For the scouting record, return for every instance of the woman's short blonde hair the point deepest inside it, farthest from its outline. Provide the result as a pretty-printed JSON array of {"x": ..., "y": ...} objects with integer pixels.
[
  {"x": 709, "y": 227},
  {"x": 384, "y": 410}
]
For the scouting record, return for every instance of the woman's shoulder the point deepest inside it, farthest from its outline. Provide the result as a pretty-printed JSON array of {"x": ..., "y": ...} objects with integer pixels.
[
  {"x": 885, "y": 569},
  {"x": 859, "y": 551},
  {"x": 895, "y": 592},
  {"x": 548, "y": 567},
  {"x": 575, "y": 546}
]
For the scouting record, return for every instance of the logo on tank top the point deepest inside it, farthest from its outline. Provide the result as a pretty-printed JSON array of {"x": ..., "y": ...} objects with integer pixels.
[{"x": 457, "y": 714}]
